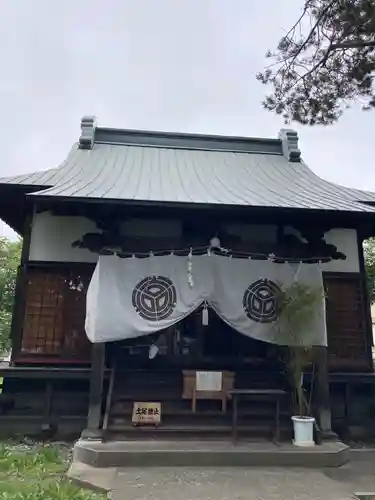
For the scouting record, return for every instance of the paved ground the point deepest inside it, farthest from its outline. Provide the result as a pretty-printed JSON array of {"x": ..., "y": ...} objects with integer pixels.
[{"x": 244, "y": 483}]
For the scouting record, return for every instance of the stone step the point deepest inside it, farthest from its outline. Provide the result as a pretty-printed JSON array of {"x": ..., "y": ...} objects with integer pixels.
[{"x": 206, "y": 453}]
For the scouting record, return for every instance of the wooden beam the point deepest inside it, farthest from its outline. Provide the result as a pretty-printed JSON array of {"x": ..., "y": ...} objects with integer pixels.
[
  {"x": 366, "y": 301},
  {"x": 18, "y": 312},
  {"x": 108, "y": 405},
  {"x": 322, "y": 393},
  {"x": 76, "y": 266},
  {"x": 27, "y": 236},
  {"x": 96, "y": 392},
  {"x": 47, "y": 372},
  {"x": 20, "y": 292},
  {"x": 47, "y": 410}
]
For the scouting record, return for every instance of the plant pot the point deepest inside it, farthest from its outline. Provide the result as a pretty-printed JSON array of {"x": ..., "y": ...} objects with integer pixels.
[{"x": 303, "y": 431}]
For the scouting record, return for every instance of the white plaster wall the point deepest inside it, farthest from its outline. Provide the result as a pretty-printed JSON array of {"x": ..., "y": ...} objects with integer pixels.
[
  {"x": 346, "y": 242},
  {"x": 52, "y": 238}
]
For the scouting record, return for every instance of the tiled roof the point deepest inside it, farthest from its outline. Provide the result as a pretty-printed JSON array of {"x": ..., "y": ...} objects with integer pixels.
[{"x": 192, "y": 170}]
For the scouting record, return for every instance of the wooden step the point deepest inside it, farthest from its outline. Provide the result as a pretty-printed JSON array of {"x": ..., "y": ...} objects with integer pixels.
[
  {"x": 214, "y": 410},
  {"x": 166, "y": 387},
  {"x": 147, "y": 394},
  {"x": 243, "y": 379},
  {"x": 255, "y": 429},
  {"x": 214, "y": 416},
  {"x": 207, "y": 422}
]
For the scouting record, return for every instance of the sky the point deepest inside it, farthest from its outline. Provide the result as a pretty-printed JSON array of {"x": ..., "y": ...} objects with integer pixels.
[{"x": 178, "y": 66}]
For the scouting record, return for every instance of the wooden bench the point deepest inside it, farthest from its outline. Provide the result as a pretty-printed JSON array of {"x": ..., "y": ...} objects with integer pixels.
[{"x": 274, "y": 394}]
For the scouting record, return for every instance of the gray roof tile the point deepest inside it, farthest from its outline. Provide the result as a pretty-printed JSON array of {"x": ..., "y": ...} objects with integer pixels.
[{"x": 169, "y": 174}]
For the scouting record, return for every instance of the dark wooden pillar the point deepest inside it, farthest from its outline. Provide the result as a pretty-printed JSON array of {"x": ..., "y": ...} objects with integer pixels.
[
  {"x": 323, "y": 399},
  {"x": 18, "y": 312},
  {"x": 20, "y": 291},
  {"x": 366, "y": 300},
  {"x": 93, "y": 430}
]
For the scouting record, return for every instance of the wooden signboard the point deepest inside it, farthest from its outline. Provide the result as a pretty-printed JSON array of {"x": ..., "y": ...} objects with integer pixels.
[
  {"x": 146, "y": 413},
  {"x": 209, "y": 381},
  {"x": 199, "y": 384}
]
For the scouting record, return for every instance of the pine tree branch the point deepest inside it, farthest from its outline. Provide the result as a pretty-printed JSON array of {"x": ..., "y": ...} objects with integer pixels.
[{"x": 353, "y": 44}]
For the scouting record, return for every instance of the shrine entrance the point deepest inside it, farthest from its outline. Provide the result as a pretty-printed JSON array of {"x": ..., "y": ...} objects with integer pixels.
[
  {"x": 194, "y": 345},
  {"x": 191, "y": 343},
  {"x": 168, "y": 368}
]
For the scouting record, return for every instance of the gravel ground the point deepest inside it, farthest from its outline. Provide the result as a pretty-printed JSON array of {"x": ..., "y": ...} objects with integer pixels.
[
  {"x": 228, "y": 484},
  {"x": 234, "y": 483}
]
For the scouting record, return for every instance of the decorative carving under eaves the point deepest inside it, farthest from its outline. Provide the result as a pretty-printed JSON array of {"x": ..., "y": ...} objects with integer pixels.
[
  {"x": 292, "y": 247},
  {"x": 313, "y": 239},
  {"x": 289, "y": 248}
]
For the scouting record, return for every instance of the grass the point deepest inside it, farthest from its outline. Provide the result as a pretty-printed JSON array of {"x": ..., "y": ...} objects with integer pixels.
[{"x": 37, "y": 473}]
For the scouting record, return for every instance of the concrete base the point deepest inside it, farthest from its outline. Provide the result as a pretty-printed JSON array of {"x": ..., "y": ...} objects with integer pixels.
[
  {"x": 207, "y": 454},
  {"x": 328, "y": 435},
  {"x": 85, "y": 476}
]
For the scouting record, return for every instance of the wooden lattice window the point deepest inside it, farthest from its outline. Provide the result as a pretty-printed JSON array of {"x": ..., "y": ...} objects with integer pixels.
[
  {"x": 346, "y": 318},
  {"x": 55, "y": 307}
]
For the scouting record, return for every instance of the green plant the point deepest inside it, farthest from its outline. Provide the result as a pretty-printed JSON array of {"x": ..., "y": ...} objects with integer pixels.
[
  {"x": 298, "y": 306},
  {"x": 10, "y": 255},
  {"x": 369, "y": 256},
  {"x": 296, "y": 360},
  {"x": 37, "y": 472}
]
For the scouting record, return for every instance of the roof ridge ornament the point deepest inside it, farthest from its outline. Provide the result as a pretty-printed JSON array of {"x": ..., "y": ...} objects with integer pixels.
[
  {"x": 87, "y": 138},
  {"x": 289, "y": 142}
]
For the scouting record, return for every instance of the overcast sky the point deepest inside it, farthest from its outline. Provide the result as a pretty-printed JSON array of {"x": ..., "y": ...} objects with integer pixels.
[{"x": 168, "y": 65}]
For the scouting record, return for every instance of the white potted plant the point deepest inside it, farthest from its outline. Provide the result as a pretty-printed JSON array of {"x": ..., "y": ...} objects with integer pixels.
[
  {"x": 297, "y": 308},
  {"x": 303, "y": 422}
]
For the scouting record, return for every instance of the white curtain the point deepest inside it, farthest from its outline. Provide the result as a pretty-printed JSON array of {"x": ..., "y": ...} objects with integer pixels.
[{"x": 132, "y": 297}]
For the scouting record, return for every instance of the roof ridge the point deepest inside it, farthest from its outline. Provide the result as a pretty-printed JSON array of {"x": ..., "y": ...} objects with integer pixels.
[{"x": 91, "y": 134}]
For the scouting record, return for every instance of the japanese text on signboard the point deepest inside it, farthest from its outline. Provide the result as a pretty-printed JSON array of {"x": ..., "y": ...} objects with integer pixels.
[{"x": 146, "y": 413}]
